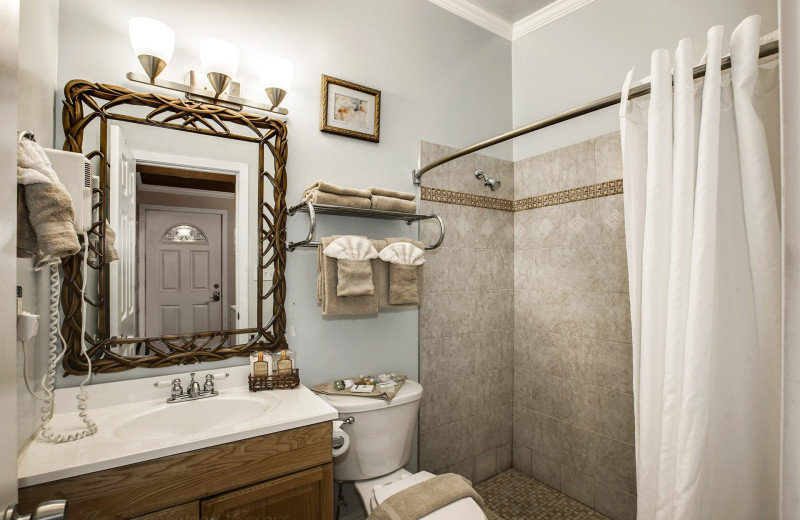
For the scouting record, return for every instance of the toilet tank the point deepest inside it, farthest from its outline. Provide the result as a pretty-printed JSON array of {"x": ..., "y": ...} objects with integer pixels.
[{"x": 382, "y": 434}]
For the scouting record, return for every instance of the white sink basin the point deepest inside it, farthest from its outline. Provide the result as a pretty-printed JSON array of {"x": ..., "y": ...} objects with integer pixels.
[{"x": 194, "y": 417}]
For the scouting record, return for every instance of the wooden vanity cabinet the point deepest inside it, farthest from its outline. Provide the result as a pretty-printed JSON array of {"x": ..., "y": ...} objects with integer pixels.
[{"x": 286, "y": 475}]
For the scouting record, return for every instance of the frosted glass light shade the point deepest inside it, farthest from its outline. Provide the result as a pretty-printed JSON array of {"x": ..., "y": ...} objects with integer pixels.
[
  {"x": 219, "y": 56},
  {"x": 276, "y": 73},
  {"x": 151, "y": 38}
]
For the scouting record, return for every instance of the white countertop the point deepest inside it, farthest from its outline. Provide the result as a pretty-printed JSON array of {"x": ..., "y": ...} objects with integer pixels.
[{"x": 112, "y": 404}]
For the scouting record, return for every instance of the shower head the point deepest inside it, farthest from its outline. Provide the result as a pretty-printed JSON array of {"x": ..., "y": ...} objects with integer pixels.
[{"x": 493, "y": 184}]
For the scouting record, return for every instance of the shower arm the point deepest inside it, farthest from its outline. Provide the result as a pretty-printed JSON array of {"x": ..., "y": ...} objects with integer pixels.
[{"x": 767, "y": 49}]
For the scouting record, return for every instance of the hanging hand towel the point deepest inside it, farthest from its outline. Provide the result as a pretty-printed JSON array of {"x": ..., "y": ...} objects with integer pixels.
[
  {"x": 353, "y": 266},
  {"x": 325, "y": 193},
  {"x": 332, "y": 303},
  {"x": 403, "y": 195},
  {"x": 49, "y": 206},
  {"x": 404, "y": 260},
  {"x": 393, "y": 204}
]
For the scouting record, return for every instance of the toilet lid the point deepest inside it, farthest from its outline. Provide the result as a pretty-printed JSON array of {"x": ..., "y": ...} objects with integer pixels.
[{"x": 463, "y": 509}]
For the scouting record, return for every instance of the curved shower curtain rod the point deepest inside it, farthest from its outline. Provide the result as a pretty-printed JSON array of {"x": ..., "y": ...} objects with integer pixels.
[{"x": 768, "y": 49}]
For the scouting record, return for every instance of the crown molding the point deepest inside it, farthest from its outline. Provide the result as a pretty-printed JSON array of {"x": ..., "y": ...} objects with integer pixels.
[
  {"x": 478, "y": 15},
  {"x": 502, "y": 27},
  {"x": 547, "y": 14}
]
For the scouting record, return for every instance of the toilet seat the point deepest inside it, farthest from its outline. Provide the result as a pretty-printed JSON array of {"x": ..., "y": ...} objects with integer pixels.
[{"x": 374, "y": 491}]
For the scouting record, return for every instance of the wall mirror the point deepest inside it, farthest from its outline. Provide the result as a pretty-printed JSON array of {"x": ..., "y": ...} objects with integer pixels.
[{"x": 193, "y": 197}]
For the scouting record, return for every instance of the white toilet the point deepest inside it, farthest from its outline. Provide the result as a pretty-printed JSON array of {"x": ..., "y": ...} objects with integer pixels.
[{"x": 381, "y": 435}]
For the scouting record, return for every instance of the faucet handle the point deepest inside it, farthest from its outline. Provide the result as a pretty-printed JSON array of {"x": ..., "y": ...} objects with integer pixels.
[
  {"x": 177, "y": 389},
  {"x": 209, "y": 385}
]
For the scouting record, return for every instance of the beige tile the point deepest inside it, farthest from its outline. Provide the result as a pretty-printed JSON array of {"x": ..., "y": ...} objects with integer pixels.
[
  {"x": 521, "y": 460},
  {"x": 576, "y": 165},
  {"x": 610, "y": 217},
  {"x": 465, "y": 468},
  {"x": 547, "y": 354},
  {"x": 523, "y": 387},
  {"x": 545, "y": 393},
  {"x": 437, "y": 270},
  {"x": 550, "y": 312},
  {"x": 434, "y": 315},
  {"x": 488, "y": 392},
  {"x": 505, "y": 385},
  {"x": 504, "y": 432},
  {"x": 523, "y": 349},
  {"x": 523, "y": 268},
  {"x": 485, "y": 465},
  {"x": 460, "y": 446},
  {"x": 613, "y": 316},
  {"x": 523, "y": 309},
  {"x": 505, "y": 230},
  {"x": 434, "y": 361},
  {"x": 578, "y": 359},
  {"x": 578, "y": 404},
  {"x": 461, "y": 395},
  {"x": 461, "y": 355},
  {"x": 545, "y": 470},
  {"x": 546, "y": 173},
  {"x": 483, "y": 432},
  {"x": 504, "y": 457},
  {"x": 449, "y": 176},
  {"x": 488, "y": 351},
  {"x": 433, "y": 411},
  {"x": 547, "y": 435},
  {"x": 460, "y": 315},
  {"x": 464, "y": 269},
  {"x": 495, "y": 310},
  {"x": 579, "y": 224},
  {"x": 615, "y": 415},
  {"x": 505, "y": 347},
  {"x": 434, "y": 449},
  {"x": 577, "y": 446},
  {"x": 523, "y": 426},
  {"x": 608, "y": 268},
  {"x": 608, "y": 157},
  {"x": 614, "y": 503},
  {"x": 577, "y": 485},
  {"x": 614, "y": 365},
  {"x": 615, "y": 463}
]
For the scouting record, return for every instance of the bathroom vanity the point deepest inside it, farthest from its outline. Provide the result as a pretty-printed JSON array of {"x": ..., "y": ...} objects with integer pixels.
[{"x": 275, "y": 464}]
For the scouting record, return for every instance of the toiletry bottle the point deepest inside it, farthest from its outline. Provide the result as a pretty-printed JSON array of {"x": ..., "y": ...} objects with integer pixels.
[
  {"x": 267, "y": 358},
  {"x": 284, "y": 364},
  {"x": 279, "y": 354},
  {"x": 261, "y": 367}
]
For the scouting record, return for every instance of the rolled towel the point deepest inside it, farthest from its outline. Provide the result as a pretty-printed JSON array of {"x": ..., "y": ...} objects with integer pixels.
[
  {"x": 404, "y": 260},
  {"x": 353, "y": 266},
  {"x": 426, "y": 497},
  {"x": 333, "y": 199},
  {"x": 403, "y": 195},
  {"x": 393, "y": 204},
  {"x": 337, "y": 190},
  {"x": 50, "y": 210}
]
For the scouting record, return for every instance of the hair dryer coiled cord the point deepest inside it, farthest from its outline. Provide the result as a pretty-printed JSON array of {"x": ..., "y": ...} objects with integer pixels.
[{"x": 49, "y": 379}]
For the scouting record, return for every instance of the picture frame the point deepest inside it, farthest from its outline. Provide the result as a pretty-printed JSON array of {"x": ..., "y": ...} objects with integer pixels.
[{"x": 350, "y": 109}]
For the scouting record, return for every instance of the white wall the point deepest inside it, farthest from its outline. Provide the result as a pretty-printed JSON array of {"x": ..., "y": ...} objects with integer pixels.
[
  {"x": 584, "y": 56},
  {"x": 790, "y": 131},
  {"x": 432, "y": 69}
]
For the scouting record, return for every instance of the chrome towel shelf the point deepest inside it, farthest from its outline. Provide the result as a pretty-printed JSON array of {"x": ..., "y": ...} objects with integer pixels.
[{"x": 323, "y": 209}]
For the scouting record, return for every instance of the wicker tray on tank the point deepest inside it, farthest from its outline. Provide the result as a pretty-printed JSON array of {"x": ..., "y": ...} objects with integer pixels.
[{"x": 274, "y": 382}]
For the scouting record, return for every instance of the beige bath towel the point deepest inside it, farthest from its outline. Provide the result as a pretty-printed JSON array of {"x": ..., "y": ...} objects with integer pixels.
[
  {"x": 393, "y": 204},
  {"x": 327, "y": 187},
  {"x": 403, "y": 277},
  {"x": 49, "y": 206},
  {"x": 403, "y": 195},
  {"x": 27, "y": 247},
  {"x": 426, "y": 497},
  {"x": 332, "y": 303},
  {"x": 332, "y": 199}
]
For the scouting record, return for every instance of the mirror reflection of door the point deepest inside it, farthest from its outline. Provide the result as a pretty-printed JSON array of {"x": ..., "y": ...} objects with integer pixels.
[{"x": 184, "y": 285}]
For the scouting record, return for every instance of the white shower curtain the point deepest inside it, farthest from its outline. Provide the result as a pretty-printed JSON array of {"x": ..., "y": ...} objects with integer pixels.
[{"x": 703, "y": 242}]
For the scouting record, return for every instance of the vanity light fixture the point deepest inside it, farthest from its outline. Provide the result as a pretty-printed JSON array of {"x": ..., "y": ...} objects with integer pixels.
[{"x": 153, "y": 43}]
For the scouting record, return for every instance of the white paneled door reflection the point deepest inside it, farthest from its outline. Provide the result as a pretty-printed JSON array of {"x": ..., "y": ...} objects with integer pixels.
[{"x": 183, "y": 287}]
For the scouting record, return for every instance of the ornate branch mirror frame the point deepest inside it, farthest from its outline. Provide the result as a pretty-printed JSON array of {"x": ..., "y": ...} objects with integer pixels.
[{"x": 87, "y": 102}]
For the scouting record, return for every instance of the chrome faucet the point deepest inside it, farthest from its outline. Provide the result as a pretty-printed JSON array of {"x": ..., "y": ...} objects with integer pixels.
[{"x": 177, "y": 395}]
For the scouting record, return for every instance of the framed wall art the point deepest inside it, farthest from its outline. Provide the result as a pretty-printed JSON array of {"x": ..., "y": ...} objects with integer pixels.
[{"x": 349, "y": 109}]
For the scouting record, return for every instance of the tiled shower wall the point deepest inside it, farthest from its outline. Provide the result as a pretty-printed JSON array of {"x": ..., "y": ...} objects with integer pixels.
[
  {"x": 544, "y": 290},
  {"x": 466, "y": 324},
  {"x": 573, "y": 401}
]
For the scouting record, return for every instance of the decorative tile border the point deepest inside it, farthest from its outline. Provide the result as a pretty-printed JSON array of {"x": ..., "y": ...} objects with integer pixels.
[{"x": 603, "y": 189}]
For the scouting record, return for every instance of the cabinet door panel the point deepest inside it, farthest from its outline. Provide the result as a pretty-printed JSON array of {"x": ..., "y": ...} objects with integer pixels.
[
  {"x": 190, "y": 511},
  {"x": 307, "y": 495}
]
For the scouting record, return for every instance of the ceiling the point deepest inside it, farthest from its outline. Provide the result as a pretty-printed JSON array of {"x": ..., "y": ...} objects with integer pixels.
[
  {"x": 512, "y": 10},
  {"x": 511, "y": 19}
]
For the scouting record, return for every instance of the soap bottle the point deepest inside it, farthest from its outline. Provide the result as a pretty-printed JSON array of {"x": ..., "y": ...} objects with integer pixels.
[
  {"x": 284, "y": 364},
  {"x": 260, "y": 366},
  {"x": 279, "y": 354}
]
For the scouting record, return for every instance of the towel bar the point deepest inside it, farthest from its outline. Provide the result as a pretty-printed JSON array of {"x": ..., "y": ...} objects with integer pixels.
[{"x": 324, "y": 209}]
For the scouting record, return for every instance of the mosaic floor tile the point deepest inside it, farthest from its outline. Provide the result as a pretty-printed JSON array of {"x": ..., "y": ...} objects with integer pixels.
[{"x": 512, "y": 495}]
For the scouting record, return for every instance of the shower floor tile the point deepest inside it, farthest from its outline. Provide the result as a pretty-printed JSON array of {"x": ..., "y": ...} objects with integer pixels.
[{"x": 512, "y": 495}]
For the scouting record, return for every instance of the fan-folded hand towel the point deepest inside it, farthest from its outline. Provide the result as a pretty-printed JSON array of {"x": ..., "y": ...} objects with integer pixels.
[
  {"x": 393, "y": 204},
  {"x": 49, "y": 206},
  {"x": 404, "y": 258},
  {"x": 332, "y": 303},
  {"x": 326, "y": 193},
  {"x": 426, "y": 497},
  {"x": 353, "y": 267},
  {"x": 403, "y": 195}
]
